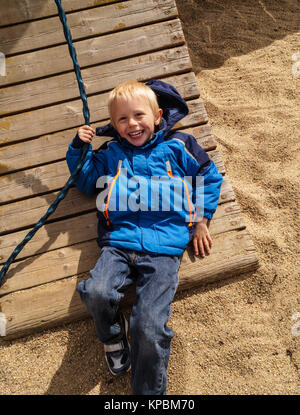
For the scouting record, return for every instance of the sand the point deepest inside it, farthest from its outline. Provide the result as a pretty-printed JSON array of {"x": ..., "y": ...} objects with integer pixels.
[{"x": 237, "y": 336}]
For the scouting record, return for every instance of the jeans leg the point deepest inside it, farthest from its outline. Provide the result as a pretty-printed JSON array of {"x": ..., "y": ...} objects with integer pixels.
[
  {"x": 102, "y": 292},
  {"x": 150, "y": 337}
]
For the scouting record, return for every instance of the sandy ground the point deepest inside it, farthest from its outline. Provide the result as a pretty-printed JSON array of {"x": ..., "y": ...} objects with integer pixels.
[{"x": 237, "y": 336}]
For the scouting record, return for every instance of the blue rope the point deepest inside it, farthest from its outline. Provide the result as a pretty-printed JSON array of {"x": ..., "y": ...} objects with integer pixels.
[{"x": 64, "y": 190}]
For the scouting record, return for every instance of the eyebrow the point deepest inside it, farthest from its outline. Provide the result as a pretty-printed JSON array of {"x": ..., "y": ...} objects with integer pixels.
[{"x": 136, "y": 110}]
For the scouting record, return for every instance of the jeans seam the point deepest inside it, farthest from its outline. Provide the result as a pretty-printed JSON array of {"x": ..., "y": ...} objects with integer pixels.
[{"x": 162, "y": 368}]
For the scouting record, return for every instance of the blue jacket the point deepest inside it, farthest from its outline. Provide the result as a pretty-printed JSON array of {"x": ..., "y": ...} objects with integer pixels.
[{"x": 150, "y": 196}]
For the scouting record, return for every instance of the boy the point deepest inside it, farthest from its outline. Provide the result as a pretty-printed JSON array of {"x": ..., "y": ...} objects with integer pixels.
[{"x": 146, "y": 171}]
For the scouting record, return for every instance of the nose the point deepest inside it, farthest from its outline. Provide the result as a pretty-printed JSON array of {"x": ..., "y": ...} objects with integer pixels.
[{"x": 132, "y": 121}]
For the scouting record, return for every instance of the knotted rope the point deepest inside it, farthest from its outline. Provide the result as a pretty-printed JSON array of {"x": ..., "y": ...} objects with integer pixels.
[{"x": 86, "y": 114}]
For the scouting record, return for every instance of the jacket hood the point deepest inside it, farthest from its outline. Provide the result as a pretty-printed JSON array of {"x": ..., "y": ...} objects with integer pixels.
[{"x": 169, "y": 100}]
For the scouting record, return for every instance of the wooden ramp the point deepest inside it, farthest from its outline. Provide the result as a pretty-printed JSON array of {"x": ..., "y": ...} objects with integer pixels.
[{"x": 39, "y": 114}]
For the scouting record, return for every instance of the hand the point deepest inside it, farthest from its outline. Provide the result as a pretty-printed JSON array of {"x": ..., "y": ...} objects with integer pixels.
[
  {"x": 86, "y": 133},
  {"x": 201, "y": 240}
]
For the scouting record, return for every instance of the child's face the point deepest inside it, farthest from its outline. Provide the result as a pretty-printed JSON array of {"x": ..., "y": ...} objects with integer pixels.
[{"x": 134, "y": 119}]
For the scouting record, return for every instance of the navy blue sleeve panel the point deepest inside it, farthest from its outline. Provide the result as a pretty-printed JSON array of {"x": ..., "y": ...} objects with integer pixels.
[
  {"x": 77, "y": 142},
  {"x": 212, "y": 187},
  {"x": 189, "y": 153},
  {"x": 93, "y": 168}
]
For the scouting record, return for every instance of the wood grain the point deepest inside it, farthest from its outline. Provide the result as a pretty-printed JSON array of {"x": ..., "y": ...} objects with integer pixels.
[
  {"x": 97, "y": 21},
  {"x": 97, "y": 79},
  {"x": 94, "y": 51}
]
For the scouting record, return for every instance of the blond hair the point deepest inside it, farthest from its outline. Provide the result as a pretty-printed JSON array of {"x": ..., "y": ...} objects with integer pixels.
[{"x": 130, "y": 89}]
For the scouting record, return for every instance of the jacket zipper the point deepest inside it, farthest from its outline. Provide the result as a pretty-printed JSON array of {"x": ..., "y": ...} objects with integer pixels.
[{"x": 110, "y": 187}]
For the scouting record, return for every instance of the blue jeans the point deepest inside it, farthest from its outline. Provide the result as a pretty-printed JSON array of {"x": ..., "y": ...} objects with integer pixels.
[{"x": 156, "y": 279}]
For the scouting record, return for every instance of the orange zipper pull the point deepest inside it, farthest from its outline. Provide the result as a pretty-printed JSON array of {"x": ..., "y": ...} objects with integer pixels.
[
  {"x": 105, "y": 210},
  {"x": 191, "y": 209}
]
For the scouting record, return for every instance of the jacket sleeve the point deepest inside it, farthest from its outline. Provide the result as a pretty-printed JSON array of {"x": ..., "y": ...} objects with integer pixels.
[
  {"x": 208, "y": 190},
  {"x": 92, "y": 169},
  {"x": 206, "y": 178}
]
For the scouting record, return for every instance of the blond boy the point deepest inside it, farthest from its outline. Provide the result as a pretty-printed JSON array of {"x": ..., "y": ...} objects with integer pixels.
[{"x": 158, "y": 191}]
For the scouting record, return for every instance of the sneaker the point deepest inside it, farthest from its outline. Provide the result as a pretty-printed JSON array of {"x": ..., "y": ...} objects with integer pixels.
[{"x": 117, "y": 355}]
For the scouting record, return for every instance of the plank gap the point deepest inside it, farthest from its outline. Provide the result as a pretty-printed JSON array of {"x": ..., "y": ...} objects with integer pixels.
[
  {"x": 25, "y": 168},
  {"x": 87, "y": 37},
  {"x": 100, "y": 49},
  {"x": 75, "y": 98},
  {"x": 188, "y": 121},
  {"x": 70, "y": 216},
  {"x": 40, "y": 252},
  {"x": 8, "y": 202},
  {"x": 109, "y": 61},
  {"x": 96, "y": 79}
]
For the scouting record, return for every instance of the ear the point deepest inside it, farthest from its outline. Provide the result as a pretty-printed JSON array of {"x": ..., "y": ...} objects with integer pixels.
[{"x": 158, "y": 117}]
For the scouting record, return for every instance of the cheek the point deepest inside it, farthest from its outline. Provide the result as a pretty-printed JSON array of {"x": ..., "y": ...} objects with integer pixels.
[
  {"x": 119, "y": 128},
  {"x": 151, "y": 124}
]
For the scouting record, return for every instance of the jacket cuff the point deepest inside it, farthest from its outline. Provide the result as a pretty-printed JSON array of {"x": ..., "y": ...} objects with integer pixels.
[
  {"x": 77, "y": 143},
  {"x": 208, "y": 214}
]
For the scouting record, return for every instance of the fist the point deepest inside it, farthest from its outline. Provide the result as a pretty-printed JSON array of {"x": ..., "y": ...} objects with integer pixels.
[{"x": 86, "y": 133}]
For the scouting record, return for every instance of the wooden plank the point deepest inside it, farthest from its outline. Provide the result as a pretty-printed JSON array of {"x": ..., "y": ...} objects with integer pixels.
[
  {"x": 51, "y": 304},
  {"x": 93, "y": 51},
  {"x": 68, "y": 115},
  {"x": 97, "y": 79},
  {"x": 85, "y": 23},
  {"x": 56, "y": 234},
  {"x": 51, "y": 177},
  {"x": 29, "y": 211},
  {"x": 19, "y": 11},
  {"x": 66, "y": 261}
]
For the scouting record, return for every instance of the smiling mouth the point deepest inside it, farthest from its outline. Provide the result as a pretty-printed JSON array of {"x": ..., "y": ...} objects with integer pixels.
[{"x": 136, "y": 134}]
